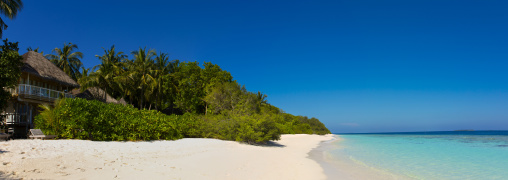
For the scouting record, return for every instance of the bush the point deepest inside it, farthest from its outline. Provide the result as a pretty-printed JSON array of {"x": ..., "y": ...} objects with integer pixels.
[
  {"x": 93, "y": 120},
  {"x": 82, "y": 119}
]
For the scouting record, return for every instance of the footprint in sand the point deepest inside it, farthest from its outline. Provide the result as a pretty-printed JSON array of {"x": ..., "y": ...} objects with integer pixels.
[{"x": 80, "y": 169}]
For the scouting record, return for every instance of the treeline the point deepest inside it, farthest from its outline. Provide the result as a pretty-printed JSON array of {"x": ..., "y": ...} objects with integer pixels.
[
  {"x": 208, "y": 98},
  {"x": 151, "y": 81}
]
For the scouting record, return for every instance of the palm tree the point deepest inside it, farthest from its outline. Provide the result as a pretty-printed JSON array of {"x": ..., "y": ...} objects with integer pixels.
[
  {"x": 67, "y": 60},
  {"x": 85, "y": 71},
  {"x": 10, "y": 9},
  {"x": 262, "y": 98},
  {"x": 127, "y": 82},
  {"x": 86, "y": 80},
  {"x": 162, "y": 68},
  {"x": 143, "y": 64},
  {"x": 109, "y": 69},
  {"x": 168, "y": 84},
  {"x": 104, "y": 75},
  {"x": 111, "y": 56}
]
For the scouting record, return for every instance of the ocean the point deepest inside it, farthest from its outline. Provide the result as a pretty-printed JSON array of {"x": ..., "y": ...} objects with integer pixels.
[{"x": 423, "y": 155}]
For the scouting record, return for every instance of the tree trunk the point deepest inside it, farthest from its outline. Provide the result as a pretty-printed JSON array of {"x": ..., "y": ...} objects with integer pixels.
[
  {"x": 157, "y": 100},
  {"x": 105, "y": 96},
  {"x": 142, "y": 96}
]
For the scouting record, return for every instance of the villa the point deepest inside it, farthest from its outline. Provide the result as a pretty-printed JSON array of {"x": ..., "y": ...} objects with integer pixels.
[{"x": 41, "y": 82}]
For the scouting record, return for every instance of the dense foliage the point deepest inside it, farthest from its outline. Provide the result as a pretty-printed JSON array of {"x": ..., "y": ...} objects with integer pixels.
[
  {"x": 82, "y": 119},
  {"x": 94, "y": 120},
  {"x": 10, "y": 70},
  {"x": 195, "y": 101}
]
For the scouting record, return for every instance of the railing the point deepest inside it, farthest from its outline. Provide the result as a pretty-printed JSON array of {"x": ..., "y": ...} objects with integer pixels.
[
  {"x": 35, "y": 92},
  {"x": 15, "y": 118}
]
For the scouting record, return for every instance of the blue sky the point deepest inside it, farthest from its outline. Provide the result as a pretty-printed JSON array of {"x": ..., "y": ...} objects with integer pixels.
[{"x": 357, "y": 65}]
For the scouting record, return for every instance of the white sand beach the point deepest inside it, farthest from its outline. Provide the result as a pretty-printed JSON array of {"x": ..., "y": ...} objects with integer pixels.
[{"x": 180, "y": 159}]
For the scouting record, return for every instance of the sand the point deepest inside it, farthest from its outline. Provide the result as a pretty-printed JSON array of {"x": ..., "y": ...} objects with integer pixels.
[{"x": 180, "y": 159}]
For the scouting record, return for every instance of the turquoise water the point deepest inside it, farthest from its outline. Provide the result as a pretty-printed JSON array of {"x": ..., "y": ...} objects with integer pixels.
[{"x": 434, "y": 155}]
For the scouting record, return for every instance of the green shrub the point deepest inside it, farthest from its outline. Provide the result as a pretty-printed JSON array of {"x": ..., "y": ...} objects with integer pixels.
[
  {"x": 250, "y": 129},
  {"x": 82, "y": 119},
  {"x": 93, "y": 120}
]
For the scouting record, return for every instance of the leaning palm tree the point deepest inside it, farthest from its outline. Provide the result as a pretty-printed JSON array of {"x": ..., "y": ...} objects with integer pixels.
[
  {"x": 10, "y": 9},
  {"x": 67, "y": 60}
]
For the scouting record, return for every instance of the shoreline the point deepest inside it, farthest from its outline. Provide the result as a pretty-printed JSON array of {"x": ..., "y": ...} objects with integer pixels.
[
  {"x": 342, "y": 167},
  {"x": 185, "y": 158}
]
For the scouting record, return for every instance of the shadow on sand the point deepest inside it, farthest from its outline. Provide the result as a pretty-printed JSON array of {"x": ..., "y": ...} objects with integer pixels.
[{"x": 271, "y": 144}]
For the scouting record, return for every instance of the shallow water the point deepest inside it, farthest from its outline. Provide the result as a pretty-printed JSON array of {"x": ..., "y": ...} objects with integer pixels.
[{"x": 435, "y": 155}]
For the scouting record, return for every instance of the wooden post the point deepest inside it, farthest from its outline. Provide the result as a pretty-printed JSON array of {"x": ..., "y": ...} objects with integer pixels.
[
  {"x": 26, "y": 117},
  {"x": 29, "y": 87}
]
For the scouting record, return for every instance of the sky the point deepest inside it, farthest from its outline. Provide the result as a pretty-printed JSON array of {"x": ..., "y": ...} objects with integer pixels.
[{"x": 357, "y": 65}]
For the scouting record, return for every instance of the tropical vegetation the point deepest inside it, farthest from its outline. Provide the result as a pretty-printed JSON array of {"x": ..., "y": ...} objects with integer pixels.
[
  {"x": 93, "y": 120},
  {"x": 67, "y": 60},
  {"x": 10, "y": 70},
  {"x": 168, "y": 99},
  {"x": 9, "y": 8}
]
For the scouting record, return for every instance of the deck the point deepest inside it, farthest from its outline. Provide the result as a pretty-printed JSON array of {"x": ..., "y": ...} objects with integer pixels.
[{"x": 39, "y": 93}]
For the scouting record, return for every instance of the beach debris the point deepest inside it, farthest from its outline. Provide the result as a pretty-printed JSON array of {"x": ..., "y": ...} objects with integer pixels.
[{"x": 6, "y": 163}]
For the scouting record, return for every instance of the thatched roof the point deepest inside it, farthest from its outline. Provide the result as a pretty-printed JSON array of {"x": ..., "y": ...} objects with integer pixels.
[
  {"x": 95, "y": 93},
  {"x": 36, "y": 64}
]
